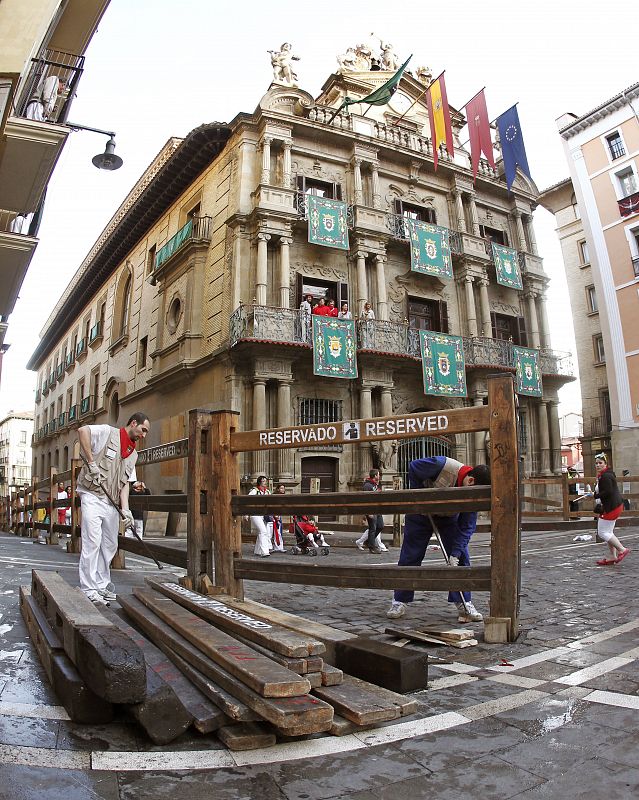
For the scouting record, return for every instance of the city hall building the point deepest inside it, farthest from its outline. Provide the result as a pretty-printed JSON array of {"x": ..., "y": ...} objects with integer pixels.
[{"x": 191, "y": 296}]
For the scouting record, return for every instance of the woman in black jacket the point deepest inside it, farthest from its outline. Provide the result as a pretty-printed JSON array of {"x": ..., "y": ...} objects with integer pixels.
[{"x": 608, "y": 505}]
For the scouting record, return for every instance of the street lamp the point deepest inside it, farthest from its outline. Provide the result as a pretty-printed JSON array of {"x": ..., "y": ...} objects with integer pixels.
[{"x": 107, "y": 160}]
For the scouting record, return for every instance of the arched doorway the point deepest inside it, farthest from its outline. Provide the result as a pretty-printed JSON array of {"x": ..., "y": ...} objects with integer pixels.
[
  {"x": 114, "y": 409},
  {"x": 424, "y": 447}
]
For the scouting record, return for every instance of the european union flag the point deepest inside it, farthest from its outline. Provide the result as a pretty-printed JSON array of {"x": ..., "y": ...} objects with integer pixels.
[{"x": 512, "y": 145}]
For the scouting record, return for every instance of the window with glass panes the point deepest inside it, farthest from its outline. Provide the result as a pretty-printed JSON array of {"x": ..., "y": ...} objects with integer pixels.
[{"x": 615, "y": 145}]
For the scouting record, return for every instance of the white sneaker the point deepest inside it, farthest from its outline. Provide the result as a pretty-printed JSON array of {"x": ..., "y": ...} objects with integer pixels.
[
  {"x": 97, "y": 599},
  {"x": 360, "y": 545},
  {"x": 468, "y": 613},
  {"x": 396, "y": 610},
  {"x": 107, "y": 594}
]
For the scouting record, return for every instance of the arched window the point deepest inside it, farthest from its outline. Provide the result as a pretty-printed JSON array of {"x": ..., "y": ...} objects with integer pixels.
[
  {"x": 126, "y": 305},
  {"x": 122, "y": 309}
]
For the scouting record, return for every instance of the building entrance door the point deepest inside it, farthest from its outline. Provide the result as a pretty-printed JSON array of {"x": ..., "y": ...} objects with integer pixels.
[{"x": 324, "y": 469}]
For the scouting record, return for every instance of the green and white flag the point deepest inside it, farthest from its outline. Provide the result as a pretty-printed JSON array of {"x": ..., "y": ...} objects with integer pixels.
[
  {"x": 334, "y": 351},
  {"x": 528, "y": 378},
  {"x": 507, "y": 266},
  {"x": 327, "y": 222},
  {"x": 429, "y": 249},
  {"x": 443, "y": 364}
]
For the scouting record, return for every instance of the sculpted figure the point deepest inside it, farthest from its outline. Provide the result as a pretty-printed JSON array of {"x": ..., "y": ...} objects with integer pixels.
[
  {"x": 347, "y": 61},
  {"x": 424, "y": 75},
  {"x": 281, "y": 61},
  {"x": 389, "y": 59}
]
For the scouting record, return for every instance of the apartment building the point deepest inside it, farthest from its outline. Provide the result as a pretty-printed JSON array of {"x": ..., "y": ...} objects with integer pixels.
[{"x": 16, "y": 432}]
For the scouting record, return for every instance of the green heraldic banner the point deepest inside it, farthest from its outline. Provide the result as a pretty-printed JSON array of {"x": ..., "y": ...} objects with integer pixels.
[
  {"x": 443, "y": 364},
  {"x": 507, "y": 266},
  {"x": 528, "y": 379},
  {"x": 429, "y": 249},
  {"x": 334, "y": 352},
  {"x": 327, "y": 223}
]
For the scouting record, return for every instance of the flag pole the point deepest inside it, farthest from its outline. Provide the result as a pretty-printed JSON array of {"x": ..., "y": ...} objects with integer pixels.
[
  {"x": 337, "y": 112},
  {"x": 397, "y": 121},
  {"x": 472, "y": 98},
  {"x": 492, "y": 122}
]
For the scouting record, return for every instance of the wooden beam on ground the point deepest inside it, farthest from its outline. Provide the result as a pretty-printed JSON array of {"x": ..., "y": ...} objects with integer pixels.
[
  {"x": 108, "y": 661},
  {"x": 246, "y": 736},
  {"x": 255, "y": 670},
  {"x": 430, "y": 579},
  {"x": 406, "y": 501},
  {"x": 365, "y": 703},
  {"x": 218, "y": 613},
  {"x": 294, "y": 716}
]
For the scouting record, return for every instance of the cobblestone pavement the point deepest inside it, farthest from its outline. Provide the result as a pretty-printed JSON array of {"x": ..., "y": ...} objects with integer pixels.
[{"x": 553, "y": 715}]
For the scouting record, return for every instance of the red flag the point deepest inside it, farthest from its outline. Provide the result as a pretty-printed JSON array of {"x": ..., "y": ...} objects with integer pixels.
[
  {"x": 479, "y": 131},
  {"x": 439, "y": 115}
]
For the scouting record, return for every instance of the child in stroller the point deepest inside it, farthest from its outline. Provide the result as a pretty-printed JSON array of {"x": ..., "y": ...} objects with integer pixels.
[{"x": 308, "y": 539}]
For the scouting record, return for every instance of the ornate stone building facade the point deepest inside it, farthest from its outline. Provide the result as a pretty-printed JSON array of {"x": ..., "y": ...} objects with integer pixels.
[{"x": 191, "y": 296}]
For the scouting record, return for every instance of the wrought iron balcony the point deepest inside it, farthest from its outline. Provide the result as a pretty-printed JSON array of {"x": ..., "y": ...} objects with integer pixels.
[
  {"x": 69, "y": 361},
  {"x": 85, "y": 405},
  {"x": 59, "y": 371},
  {"x": 629, "y": 205},
  {"x": 597, "y": 426},
  {"x": 481, "y": 351},
  {"x": 197, "y": 229},
  {"x": 299, "y": 202},
  {"x": 555, "y": 362},
  {"x": 635, "y": 266},
  {"x": 51, "y": 65},
  {"x": 268, "y": 324},
  {"x": 73, "y": 413},
  {"x": 96, "y": 332},
  {"x": 62, "y": 419}
]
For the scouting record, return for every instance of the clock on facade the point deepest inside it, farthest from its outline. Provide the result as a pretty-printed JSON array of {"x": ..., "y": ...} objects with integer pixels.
[{"x": 400, "y": 102}]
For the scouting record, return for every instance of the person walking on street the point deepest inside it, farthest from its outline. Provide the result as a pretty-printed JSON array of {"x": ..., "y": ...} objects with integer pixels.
[
  {"x": 62, "y": 511},
  {"x": 277, "y": 543},
  {"x": 375, "y": 521},
  {"x": 608, "y": 507},
  {"x": 455, "y": 530},
  {"x": 137, "y": 488},
  {"x": 110, "y": 466},
  {"x": 262, "y": 525}
]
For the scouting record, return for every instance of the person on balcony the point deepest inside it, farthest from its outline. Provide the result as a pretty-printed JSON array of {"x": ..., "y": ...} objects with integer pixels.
[
  {"x": 608, "y": 507},
  {"x": 332, "y": 309},
  {"x": 321, "y": 309},
  {"x": 455, "y": 530},
  {"x": 367, "y": 312},
  {"x": 344, "y": 313},
  {"x": 305, "y": 317}
]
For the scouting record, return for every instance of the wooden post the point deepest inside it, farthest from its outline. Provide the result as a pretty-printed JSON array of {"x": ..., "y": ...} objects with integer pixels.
[
  {"x": 505, "y": 506},
  {"x": 198, "y": 500},
  {"x": 74, "y": 545},
  {"x": 34, "y": 499},
  {"x": 225, "y": 482},
  {"x": 565, "y": 496},
  {"x": 53, "y": 512},
  {"x": 397, "y": 518}
]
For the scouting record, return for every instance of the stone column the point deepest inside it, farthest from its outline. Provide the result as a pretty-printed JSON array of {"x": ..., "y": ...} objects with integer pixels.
[
  {"x": 480, "y": 437},
  {"x": 259, "y": 423},
  {"x": 530, "y": 230},
  {"x": 387, "y": 411},
  {"x": 261, "y": 275},
  {"x": 521, "y": 235},
  {"x": 287, "y": 146},
  {"x": 555, "y": 438},
  {"x": 365, "y": 411},
  {"x": 284, "y": 457},
  {"x": 473, "y": 213},
  {"x": 484, "y": 305},
  {"x": 532, "y": 315},
  {"x": 543, "y": 319},
  {"x": 362, "y": 291},
  {"x": 236, "y": 270},
  {"x": 471, "y": 312},
  {"x": 285, "y": 272},
  {"x": 380, "y": 275},
  {"x": 459, "y": 211},
  {"x": 266, "y": 160},
  {"x": 543, "y": 439},
  {"x": 377, "y": 195},
  {"x": 358, "y": 196}
]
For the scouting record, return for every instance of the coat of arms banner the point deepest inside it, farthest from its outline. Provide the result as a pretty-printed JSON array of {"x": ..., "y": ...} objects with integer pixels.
[
  {"x": 429, "y": 249},
  {"x": 443, "y": 364},
  {"x": 334, "y": 351},
  {"x": 507, "y": 266},
  {"x": 528, "y": 379},
  {"x": 327, "y": 222}
]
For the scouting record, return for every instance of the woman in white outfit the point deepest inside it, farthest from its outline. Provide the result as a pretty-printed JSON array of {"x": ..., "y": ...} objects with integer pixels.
[{"x": 262, "y": 527}]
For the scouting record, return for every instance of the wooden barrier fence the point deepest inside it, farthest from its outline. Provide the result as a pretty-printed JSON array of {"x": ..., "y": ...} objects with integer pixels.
[{"x": 558, "y": 507}]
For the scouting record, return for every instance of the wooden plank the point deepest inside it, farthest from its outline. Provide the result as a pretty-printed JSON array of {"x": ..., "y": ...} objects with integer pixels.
[
  {"x": 454, "y": 634},
  {"x": 344, "y": 727},
  {"x": 298, "y": 665},
  {"x": 428, "y": 638},
  {"x": 506, "y": 507},
  {"x": 213, "y": 610},
  {"x": 542, "y": 501},
  {"x": 461, "y": 420},
  {"x": 246, "y": 736},
  {"x": 324, "y": 633},
  {"x": 255, "y": 670},
  {"x": 433, "y": 579},
  {"x": 176, "y": 556},
  {"x": 108, "y": 661},
  {"x": 295, "y": 716},
  {"x": 360, "y": 704},
  {"x": 331, "y": 676},
  {"x": 398, "y": 669},
  {"x": 315, "y": 679},
  {"x": 406, "y": 705},
  {"x": 80, "y": 703},
  {"x": 164, "y": 712},
  {"x": 199, "y": 502},
  {"x": 163, "y": 452},
  {"x": 406, "y": 501},
  {"x": 158, "y": 502}
]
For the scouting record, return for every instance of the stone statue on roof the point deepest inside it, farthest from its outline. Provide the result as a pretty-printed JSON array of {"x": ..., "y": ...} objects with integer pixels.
[
  {"x": 424, "y": 75},
  {"x": 389, "y": 60},
  {"x": 282, "y": 63}
]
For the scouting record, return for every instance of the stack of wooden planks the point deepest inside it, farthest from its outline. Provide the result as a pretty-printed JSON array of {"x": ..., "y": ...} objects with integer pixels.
[
  {"x": 453, "y": 637},
  {"x": 183, "y": 659}
]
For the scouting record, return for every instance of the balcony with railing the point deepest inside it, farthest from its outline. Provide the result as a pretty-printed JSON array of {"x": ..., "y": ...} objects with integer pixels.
[
  {"x": 635, "y": 266},
  {"x": 85, "y": 405},
  {"x": 50, "y": 86},
  {"x": 52, "y": 378},
  {"x": 59, "y": 371},
  {"x": 81, "y": 348},
  {"x": 69, "y": 361},
  {"x": 268, "y": 324},
  {"x": 299, "y": 202},
  {"x": 597, "y": 426},
  {"x": 197, "y": 230},
  {"x": 629, "y": 205},
  {"x": 398, "y": 229},
  {"x": 95, "y": 334},
  {"x": 62, "y": 419},
  {"x": 73, "y": 413}
]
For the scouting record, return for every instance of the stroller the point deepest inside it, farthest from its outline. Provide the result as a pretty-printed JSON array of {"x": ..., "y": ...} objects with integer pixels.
[{"x": 308, "y": 540}]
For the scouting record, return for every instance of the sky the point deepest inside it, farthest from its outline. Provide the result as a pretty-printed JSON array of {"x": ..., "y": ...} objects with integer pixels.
[{"x": 157, "y": 69}]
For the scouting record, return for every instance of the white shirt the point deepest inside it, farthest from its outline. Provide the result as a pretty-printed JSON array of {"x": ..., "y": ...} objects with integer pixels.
[{"x": 344, "y": 315}]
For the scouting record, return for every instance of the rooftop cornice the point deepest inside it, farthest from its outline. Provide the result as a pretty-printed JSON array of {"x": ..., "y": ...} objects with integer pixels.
[{"x": 602, "y": 111}]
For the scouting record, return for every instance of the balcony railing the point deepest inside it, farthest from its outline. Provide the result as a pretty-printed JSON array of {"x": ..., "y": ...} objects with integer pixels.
[
  {"x": 73, "y": 413},
  {"x": 52, "y": 379},
  {"x": 287, "y": 325},
  {"x": 37, "y": 396},
  {"x": 299, "y": 201},
  {"x": 85, "y": 405},
  {"x": 69, "y": 360},
  {"x": 81, "y": 347},
  {"x": 396, "y": 225},
  {"x": 629, "y": 205},
  {"x": 635, "y": 266},
  {"x": 59, "y": 371},
  {"x": 52, "y": 426},
  {"x": 50, "y": 86},
  {"x": 95, "y": 332},
  {"x": 597, "y": 426},
  {"x": 196, "y": 229},
  {"x": 62, "y": 420}
]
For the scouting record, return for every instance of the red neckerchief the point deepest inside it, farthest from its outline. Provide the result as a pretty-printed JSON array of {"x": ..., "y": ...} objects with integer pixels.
[
  {"x": 463, "y": 471},
  {"x": 127, "y": 445},
  {"x": 601, "y": 471},
  {"x": 262, "y": 489}
]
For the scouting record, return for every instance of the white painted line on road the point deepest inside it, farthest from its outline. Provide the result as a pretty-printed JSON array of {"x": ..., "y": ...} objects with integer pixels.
[
  {"x": 408, "y": 730},
  {"x": 529, "y": 661},
  {"x": 43, "y": 757},
  {"x": 312, "y": 748},
  {"x": 450, "y": 680},
  {"x": 506, "y": 703},
  {"x": 32, "y": 710},
  {"x": 627, "y": 627},
  {"x": 594, "y": 671},
  {"x": 613, "y": 699},
  {"x": 126, "y": 761},
  {"x": 456, "y": 666}
]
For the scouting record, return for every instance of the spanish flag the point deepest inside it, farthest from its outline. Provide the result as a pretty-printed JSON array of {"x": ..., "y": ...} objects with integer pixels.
[{"x": 439, "y": 114}]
